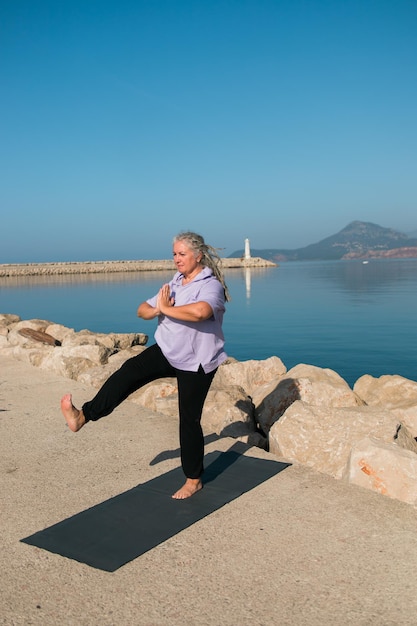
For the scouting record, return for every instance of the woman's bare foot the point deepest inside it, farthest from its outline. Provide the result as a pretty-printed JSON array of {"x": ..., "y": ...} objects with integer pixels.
[
  {"x": 74, "y": 417},
  {"x": 189, "y": 488}
]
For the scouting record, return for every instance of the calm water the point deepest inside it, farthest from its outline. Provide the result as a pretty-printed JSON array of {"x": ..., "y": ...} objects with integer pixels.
[{"x": 352, "y": 317}]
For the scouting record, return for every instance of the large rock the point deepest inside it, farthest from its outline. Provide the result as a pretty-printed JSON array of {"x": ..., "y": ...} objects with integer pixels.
[
  {"x": 96, "y": 375},
  {"x": 16, "y": 338},
  {"x": 308, "y": 383},
  {"x": 228, "y": 412},
  {"x": 322, "y": 437},
  {"x": 21, "y": 347},
  {"x": 383, "y": 467},
  {"x": 407, "y": 415},
  {"x": 393, "y": 392},
  {"x": 390, "y": 391},
  {"x": 77, "y": 353},
  {"x": 36, "y": 324},
  {"x": 124, "y": 341},
  {"x": 406, "y": 438},
  {"x": 155, "y": 395},
  {"x": 60, "y": 332},
  {"x": 113, "y": 341},
  {"x": 250, "y": 375},
  {"x": 34, "y": 355},
  {"x": 8, "y": 319},
  {"x": 71, "y": 361}
]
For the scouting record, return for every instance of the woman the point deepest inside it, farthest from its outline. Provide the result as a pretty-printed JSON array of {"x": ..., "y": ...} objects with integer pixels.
[{"x": 189, "y": 345}]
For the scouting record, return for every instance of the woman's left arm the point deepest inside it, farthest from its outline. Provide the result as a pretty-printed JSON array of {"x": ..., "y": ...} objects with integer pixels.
[{"x": 194, "y": 312}]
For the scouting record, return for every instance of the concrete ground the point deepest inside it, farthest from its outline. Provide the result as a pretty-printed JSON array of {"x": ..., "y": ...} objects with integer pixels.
[{"x": 299, "y": 549}]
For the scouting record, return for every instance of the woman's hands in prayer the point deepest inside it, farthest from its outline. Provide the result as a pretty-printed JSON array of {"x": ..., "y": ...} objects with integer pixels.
[
  {"x": 165, "y": 301},
  {"x": 194, "y": 312}
]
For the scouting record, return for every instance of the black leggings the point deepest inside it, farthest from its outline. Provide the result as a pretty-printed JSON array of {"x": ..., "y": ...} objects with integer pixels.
[{"x": 193, "y": 387}]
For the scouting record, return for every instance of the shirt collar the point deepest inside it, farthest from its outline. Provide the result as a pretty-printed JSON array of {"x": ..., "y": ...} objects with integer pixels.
[{"x": 206, "y": 272}]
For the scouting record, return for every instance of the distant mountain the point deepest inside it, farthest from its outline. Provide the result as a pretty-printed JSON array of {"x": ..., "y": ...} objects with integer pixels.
[{"x": 357, "y": 240}]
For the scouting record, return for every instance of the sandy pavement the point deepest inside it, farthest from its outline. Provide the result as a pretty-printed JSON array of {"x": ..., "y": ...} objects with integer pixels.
[{"x": 299, "y": 549}]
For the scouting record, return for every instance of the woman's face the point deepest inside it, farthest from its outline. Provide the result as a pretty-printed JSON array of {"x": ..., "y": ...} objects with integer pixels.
[{"x": 185, "y": 259}]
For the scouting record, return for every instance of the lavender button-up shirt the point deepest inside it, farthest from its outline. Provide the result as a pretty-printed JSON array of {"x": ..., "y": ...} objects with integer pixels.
[{"x": 187, "y": 345}]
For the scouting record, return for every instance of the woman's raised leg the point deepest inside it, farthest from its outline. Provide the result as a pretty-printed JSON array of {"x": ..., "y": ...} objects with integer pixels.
[{"x": 133, "y": 374}]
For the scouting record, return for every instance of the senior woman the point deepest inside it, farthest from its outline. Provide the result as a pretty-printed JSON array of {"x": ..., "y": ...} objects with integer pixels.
[{"x": 189, "y": 345}]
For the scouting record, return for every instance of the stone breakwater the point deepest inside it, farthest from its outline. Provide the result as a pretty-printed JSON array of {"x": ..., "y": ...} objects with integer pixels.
[
  {"x": 110, "y": 267},
  {"x": 307, "y": 415}
]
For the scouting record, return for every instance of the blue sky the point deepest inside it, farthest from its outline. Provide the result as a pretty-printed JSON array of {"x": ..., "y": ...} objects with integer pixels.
[{"x": 124, "y": 122}]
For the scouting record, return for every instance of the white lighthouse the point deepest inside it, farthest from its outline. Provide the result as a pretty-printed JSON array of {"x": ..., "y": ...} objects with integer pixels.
[{"x": 247, "y": 249}]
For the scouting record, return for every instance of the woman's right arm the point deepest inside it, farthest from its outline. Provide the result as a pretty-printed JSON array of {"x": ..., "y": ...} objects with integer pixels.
[{"x": 147, "y": 312}]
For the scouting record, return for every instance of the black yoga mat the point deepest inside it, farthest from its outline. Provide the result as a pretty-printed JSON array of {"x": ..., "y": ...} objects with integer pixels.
[{"x": 119, "y": 530}]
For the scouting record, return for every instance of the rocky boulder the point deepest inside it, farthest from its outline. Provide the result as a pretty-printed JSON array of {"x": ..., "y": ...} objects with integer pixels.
[
  {"x": 96, "y": 375},
  {"x": 406, "y": 437},
  {"x": 385, "y": 468},
  {"x": 390, "y": 391},
  {"x": 154, "y": 394},
  {"x": 8, "y": 319},
  {"x": 310, "y": 384},
  {"x": 228, "y": 412},
  {"x": 250, "y": 375},
  {"x": 322, "y": 437},
  {"x": 394, "y": 392}
]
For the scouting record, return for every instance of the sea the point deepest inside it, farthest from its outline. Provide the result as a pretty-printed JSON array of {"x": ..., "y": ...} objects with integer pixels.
[{"x": 353, "y": 317}]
